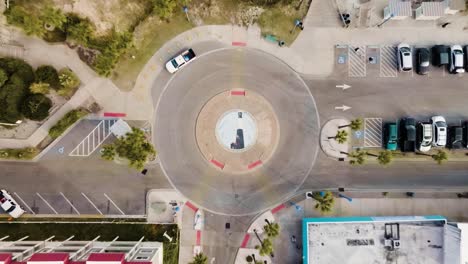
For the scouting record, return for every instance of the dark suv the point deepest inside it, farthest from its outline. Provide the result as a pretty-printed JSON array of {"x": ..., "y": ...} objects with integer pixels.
[
  {"x": 408, "y": 128},
  {"x": 456, "y": 137}
]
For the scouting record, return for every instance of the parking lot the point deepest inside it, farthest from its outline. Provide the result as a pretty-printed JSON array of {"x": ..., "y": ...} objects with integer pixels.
[{"x": 381, "y": 61}]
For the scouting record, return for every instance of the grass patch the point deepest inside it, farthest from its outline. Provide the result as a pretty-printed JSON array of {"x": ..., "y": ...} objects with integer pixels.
[
  {"x": 69, "y": 119},
  {"x": 149, "y": 36},
  {"x": 279, "y": 20},
  {"x": 19, "y": 154}
]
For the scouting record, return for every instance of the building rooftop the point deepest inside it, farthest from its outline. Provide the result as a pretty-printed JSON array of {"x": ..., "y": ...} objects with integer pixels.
[{"x": 379, "y": 240}]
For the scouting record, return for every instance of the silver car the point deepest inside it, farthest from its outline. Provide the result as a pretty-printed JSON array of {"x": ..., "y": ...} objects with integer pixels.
[{"x": 405, "y": 57}]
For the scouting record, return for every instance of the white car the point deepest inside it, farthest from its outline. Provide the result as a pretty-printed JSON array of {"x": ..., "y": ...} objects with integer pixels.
[
  {"x": 456, "y": 59},
  {"x": 405, "y": 57},
  {"x": 426, "y": 137},
  {"x": 180, "y": 61},
  {"x": 439, "y": 131},
  {"x": 9, "y": 205}
]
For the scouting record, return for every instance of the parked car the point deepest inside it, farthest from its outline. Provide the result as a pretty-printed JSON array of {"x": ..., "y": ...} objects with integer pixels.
[
  {"x": 408, "y": 126},
  {"x": 456, "y": 59},
  {"x": 180, "y": 60},
  {"x": 424, "y": 56},
  {"x": 9, "y": 205},
  {"x": 439, "y": 131},
  {"x": 425, "y": 141},
  {"x": 465, "y": 53},
  {"x": 465, "y": 133},
  {"x": 391, "y": 136},
  {"x": 456, "y": 137},
  {"x": 440, "y": 55},
  {"x": 405, "y": 58}
]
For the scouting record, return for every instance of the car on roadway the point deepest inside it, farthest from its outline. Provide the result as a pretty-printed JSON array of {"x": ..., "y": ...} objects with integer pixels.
[
  {"x": 465, "y": 133},
  {"x": 425, "y": 142},
  {"x": 405, "y": 57},
  {"x": 465, "y": 53},
  {"x": 439, "y": 131},
  {"x": 9, "y": 205},
  {"x": 456, "y": 137},
  {"x": 391, "y": 136},
  {"x": 456, "y": 59},
  {"x": 423, "y": 58},
  {"x": 440, "y": 55},
  {"x": 180, "y": 60},
  {"x": 408, "y": 131}
]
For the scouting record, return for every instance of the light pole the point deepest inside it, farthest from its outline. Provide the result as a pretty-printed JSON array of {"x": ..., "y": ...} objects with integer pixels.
[
  {"x": 297, "y": 22},
  {"x": 185, "y": 10},
  {"x": 386, "y": 20}
]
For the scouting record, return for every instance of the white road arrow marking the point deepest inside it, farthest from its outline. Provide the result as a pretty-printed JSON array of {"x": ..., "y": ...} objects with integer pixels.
[
  {"x": 343, "y": 86},
  {"x": 343, "y": 107}
]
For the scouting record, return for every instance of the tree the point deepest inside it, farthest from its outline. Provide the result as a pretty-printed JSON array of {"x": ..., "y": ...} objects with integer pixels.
[
  {"x": 271, "y": 229},
  {"x": 199, "y": 258},
  {"x": 324, "y": 203},
  {"x": 266, "y": 248},
  {"x": 385, "y": 157},
  {"x": 39, "y": 88},
  {"x": 164, "y": 8},
  {"x": 34, "y": 26},
  {"x": 134, "y": 147},
  {"x": 36, "y": 107},
  {"x": 358, "y": 157},
  {"x": 355, "y": 124},
  {"x": 440, "y": 156},
  {"x": 341, "y": 136},
  {"x": 54, "y": 17},
  {"x": 48, "y": 74},
  {"x": 3, "y": 77},
  {"x": 108, "y": 152}
]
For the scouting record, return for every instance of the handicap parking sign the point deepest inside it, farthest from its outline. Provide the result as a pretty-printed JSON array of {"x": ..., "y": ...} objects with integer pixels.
[
  {"x": 342, "y": 59},
  {"x": 358, "y": 134}
]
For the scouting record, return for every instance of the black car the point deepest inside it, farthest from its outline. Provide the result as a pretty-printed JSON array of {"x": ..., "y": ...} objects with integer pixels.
[
  {"x": 456, "y": 137},
  {"x": 408, "y": 133},
  {"x": 440, "y": 55},
  {"x": 423, "y": 56},
  {"x": 465, "y": 54}
]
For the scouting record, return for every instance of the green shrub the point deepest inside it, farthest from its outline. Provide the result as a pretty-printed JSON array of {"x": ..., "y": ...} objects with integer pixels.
[
  {"x": 22, "y": 154},
  {"x": 3, "y": 77},
  {"x": 56, "y": 35},
  {"x": 36, "y": 107},
  {"x": 39, "y": 88},
  {"x": 48, "y": 74},
  {"x": 164, "y": 8},
  {"x": 13, "y": 65},
  {"x": 79, "y": 29},
  {"x": 112, "y": 47},
  {"x": 68, "y": 81},
  {"x": 16, "y": 15},
  {"x": 69, "y": 119},
  {"x": 54, "y": 17}
]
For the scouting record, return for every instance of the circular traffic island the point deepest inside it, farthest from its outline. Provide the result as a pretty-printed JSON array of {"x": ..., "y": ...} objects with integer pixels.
[{"x": 237, "y": 131}]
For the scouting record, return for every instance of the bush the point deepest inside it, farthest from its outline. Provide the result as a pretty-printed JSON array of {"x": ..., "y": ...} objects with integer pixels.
[
  {"x": 36, "y": 107},
  {"x": 56, "y": 35},
  {"x": 69, "y": 119},
  {"x": 13, "y": 65},
  {"x": 48, "y": 74},
  {"x": 54, "y": 17},
  {"x": 68, "y": 81},
  {"x": 164, "y": 8},
  {"x": 20, "y": 17},
  {"x": 16, "y": 15},
  {"x": 22, "y": 154},
  {"x": 3, "y": 77},
  {"x": 39, "y": 88},
  {"x": 112, "y": 47},
  {"x": 79, "y": 29}
]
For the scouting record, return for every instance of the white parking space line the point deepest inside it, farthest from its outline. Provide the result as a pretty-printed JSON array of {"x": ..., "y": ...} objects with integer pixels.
[
  {"x": 68, "y": 201},
  {"x": 48, "y": 204},
  {"x": 357, "y": 61},
  {"x": 24, "y": 203},
  {"x": 94, "y": 139},
  {"x": 372, "y": 132},
  {"x": 95, "y": 207},
  {"x": 112, "y": 202}
]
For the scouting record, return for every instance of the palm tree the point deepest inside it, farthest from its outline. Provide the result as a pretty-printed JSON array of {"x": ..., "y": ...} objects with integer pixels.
[
  {"x": 324, "y": 203},
  {"x": 355, "y": 124},
  {"x": 271, "y": 229},
  {"x": 385, "y": 157},
  {"x": 358, "y": 157},
  {"x": 199, "y": 258},
  {"x": 440, "y": 156},
  {"x": 341, "y": 136},
  {"x": 266, "y": 248}
]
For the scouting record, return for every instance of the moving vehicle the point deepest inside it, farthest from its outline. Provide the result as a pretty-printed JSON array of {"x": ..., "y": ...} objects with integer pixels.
[
  {"x": 439, "y": 131},
  {"x": 440, "y": 55},
  {"x": 465, "y": 54},
  {"x": 465, "y": 133},
  {"x": 408, "y": 126},
  {"x": 456, "y": 137},
  {"x": 456, "y": 59},
  {"x": 391, "y": 136},
  {"x": 9, "y": 205},
  {"x": 405, "y": 58},
  {"x": 423, "y": 58},
  {"x": 180, "y": 61},
  {"x": 425, "y": 142}
]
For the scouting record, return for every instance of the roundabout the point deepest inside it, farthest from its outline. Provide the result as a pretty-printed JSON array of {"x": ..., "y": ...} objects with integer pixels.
[{"x": 236, "y": 131}]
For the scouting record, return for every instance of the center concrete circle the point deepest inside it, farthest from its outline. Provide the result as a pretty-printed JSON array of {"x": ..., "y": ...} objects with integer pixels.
[
  {"x": 236, "y": 130},
  {"x": 282, "y": 106}
]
